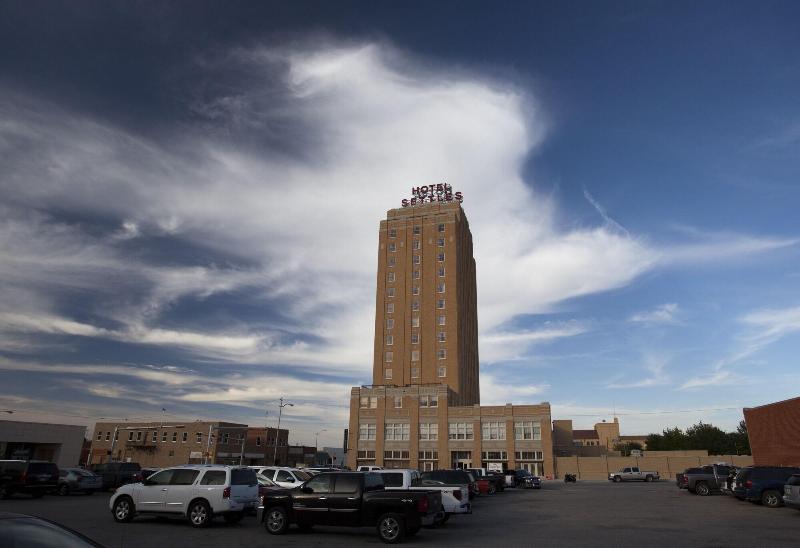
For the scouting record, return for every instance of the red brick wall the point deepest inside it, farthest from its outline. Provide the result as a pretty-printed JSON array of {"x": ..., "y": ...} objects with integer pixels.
[{"x": 774, "y": 431}]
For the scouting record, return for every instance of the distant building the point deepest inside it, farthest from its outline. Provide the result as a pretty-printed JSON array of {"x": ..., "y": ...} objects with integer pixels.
[
  {"x": 59, "y": 443},
  {"x": 774, "y": 431},
  {"x": 603, "y": 439}
]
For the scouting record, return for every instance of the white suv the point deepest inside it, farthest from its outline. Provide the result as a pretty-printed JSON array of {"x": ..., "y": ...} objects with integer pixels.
[
  {"x": 283, "y": 476},
  {"x": 198, "y": 492}
]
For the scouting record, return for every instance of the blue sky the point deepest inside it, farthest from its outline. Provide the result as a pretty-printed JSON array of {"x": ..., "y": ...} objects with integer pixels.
[{"x": 190, "y": 201}]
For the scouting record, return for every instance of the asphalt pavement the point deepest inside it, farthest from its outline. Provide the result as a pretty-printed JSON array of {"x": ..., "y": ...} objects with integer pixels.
[{"x": 565, "y": 515}]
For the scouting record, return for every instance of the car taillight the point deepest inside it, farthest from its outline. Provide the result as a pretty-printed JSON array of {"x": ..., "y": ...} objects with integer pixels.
[
  {"x": 422, "y": 505},
  {"x": 457, "y": 494},
  {"x": 137, "y": 477},
  {"x": 684, "y": 479},
  {"x": 226, "y": 493},
  {"x": 748, "y": 484}
]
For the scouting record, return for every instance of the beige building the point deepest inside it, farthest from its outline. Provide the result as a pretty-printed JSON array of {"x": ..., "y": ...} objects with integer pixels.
[
  {"x": 423, "y": 409},
  {"x": 159, "y": 444},
  {"x": 603, "y": 439}
]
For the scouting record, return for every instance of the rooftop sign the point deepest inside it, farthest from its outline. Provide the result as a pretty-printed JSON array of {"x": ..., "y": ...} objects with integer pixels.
[{"x": 441, "y": 192}]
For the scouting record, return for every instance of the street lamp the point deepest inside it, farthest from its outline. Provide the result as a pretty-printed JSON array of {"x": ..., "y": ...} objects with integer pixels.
[
  {"x": 281, "y": 405},
  {"x": 316, "y": 442}
]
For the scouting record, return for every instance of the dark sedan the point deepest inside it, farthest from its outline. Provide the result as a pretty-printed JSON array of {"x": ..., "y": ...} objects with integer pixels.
[{"x": 21, "y": 531}]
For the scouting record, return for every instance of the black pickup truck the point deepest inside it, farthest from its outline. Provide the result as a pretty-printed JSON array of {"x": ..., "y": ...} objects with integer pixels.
[
  {"x": 350, "y": 499},
  {"x": 708, "y": 479}
]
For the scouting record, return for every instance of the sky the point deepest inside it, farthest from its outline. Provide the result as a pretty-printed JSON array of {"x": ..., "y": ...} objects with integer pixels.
[{"x": 190, "y": 196}]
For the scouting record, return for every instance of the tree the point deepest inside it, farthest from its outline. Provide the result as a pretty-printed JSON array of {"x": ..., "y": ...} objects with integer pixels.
[
  {"x": 708, "y": 437},
  {"x": 626, "y": 447},
  {"x": 702, "y": 436}
]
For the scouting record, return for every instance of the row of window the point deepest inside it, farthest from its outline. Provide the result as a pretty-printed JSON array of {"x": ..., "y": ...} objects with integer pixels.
[
  {"x": 441, "y": 371},
  {"x": 441, "y": 353},
  {"x": 440, "y": 305},
  {"x": 440, "y": 320},
  {"x": 441, "y": 337},
  {"x": 434, "y": 455},
  {"x": 390, "y": 291},
  {"x": 403, "y": 455},
  {"x": 225, "y": 438},
  {"x": 491, "y": 430},
  {"x": 416, "y": 230},
  {"x": 392, "y": 261},
  {"x": 391, "y": 277},
  {"x": 399, "y": 431},
  {"x": 371, "y": 402}
]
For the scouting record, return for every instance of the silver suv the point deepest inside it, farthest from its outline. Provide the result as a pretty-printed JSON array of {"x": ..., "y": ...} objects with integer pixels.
[
  {"x": 197, "y": 492},
  {"x": 791, "y": 492}
]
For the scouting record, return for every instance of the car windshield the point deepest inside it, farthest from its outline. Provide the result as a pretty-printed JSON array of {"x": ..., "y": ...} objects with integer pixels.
[
  {"x": 794, "y": 480},
  {"x": 82, "y": 472},
  {"x": 302, "y": 476},
  {"x": 243, "y": 476},
  {"x": 265, "y": 481}
]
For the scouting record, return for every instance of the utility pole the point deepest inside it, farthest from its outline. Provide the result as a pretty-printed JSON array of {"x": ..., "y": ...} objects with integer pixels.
[
  {"x": 281, "y": 405},
  {"x": 316, "y": 443}
]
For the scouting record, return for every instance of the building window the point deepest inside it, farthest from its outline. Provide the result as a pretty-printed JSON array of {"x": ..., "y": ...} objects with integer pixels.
[
  {"x": 392, "y": 247},
  {"x": 415, "y": 372},
  {"x": 428, "y": 455},
  {"x": 429, "y": 401},
  {"x": 415, "y": 321},
  {"x": 494, "y": 455},
  {"x": 174, "y": 437},
  {"x": 365, "y": 455},
  {"x": 388, "y": 375},
  {"x": 393, "y": 233},
  {"x": 417, "y": 230},
  {"x": 441, "y": 353},
  {"x": 441, "y": 336},
  {"x": 116, "y": 435},
  {"x": 392, "y": 261},
  {"x": 184, "y": 437},
  {"x": 108, "y": 436},
  {"x": 527, "y": 430},
  {"x": 441, "y": 227},
  {"x": 389, "y": 356},
  {"x": 415, "y": 245},
  {"x": 415, "y": 338},
  {"x": 440, "y": 242},
  {"x": 441, "y": 319},
  {"x": 390, "y": 277},
  {"x": 416, "y": 275},
  {"x": 440, "y": 287},
  {"x": 130, "y": 435},
  {"x": 366, "y": 432},
  {"x": 415, "y": 290},
  {"x": 154, "y": 438},
  {"x": 440, "y": 304},
  {"x": 395, "y": 455},
  {"x": 369, "y": 402},
  {"x": 389, "y": 340},
  {"x": 440, "y": 257},
  {"x": 163, "y": 437},
  {"x": 390, "y": 323},
  {"x": 138, "y": 436},
  {"x": 390, "y": 308},
  {"x": 198, "y": 437},
  {"x": 417, "y": 259},
  {"x": 398, "y": 402},
  {"x": 224, "y": 438},
  {"x": 494, "y": 430},
  {"x": 415, "y": 355},
  {"x": 390, "y": 292},
  {"x": 529, "y": 455},
  {"x": 428, "y": 431},
  {"x": 440, "y": 271},
  {"x": 441, "y": 371},
  {"x": 396, "y": 431},
  {"x": 415, "y": 306},
  {"x": 258, "y": 441},
  {"x": 99, "y": 436},
  {"x": 461, "y": 431}
]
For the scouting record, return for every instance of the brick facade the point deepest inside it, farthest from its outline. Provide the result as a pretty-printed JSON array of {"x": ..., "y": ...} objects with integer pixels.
[{"x": 773, "y": 431}]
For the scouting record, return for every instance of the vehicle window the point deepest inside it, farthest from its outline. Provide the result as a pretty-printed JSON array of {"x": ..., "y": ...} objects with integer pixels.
[
  {"x": 213, "y": 477},
  {"x": 723, "y": 470},
  {"x": 160, "y": 478},
  {"x": 283, "y": 475},
  {"x": 346, "y": 483},
  {"x": 265, "y": 481},
  {"x": 83, "y": 473},
  {"x": 320, "y": 484},
  {"x": 36, "y": 533},
  {"x": 42, "y": 468},
  {"x": 302, "y": 476},
  {"x": 184, "y": 477},
  {"x": 129, "y": 467},
  {"x": 99, "y": 468},
  {"x": 243, "y": 476},
  {"x": 394, "y": 479},
  {"x": 373, "y": 482},
  {"x": 794, "y": 480}
]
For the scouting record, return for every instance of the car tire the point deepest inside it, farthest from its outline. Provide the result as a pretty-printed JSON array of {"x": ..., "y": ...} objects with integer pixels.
[
  {"x": 233, "y": 518},
  {"x": 276, "y": 520},
  {"x": 617, "y": 479},
  {"x": 63, "y": 490},
  {"x": 199, "y": 514},
  {"x": 702, "y": 489},
  {"x": 648, "y": 479},
  {"x": 391, "y": 528},
  {"x": 492, "y": 489},
  {"x": 771, "y": 498},
  {"x": 123, "y": 510}
]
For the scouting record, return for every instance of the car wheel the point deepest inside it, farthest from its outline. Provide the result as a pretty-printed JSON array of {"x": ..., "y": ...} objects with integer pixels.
[
  {"x": 200, "y": 514},
  {"x": 617, "y": 479},
  {"x": 771, "y": 498},
  {"x": 123, "y": 509},
  {"x": 236, "y": 517},
  {"x": 276, "y": 521},
  {"x": 648, "y": 478},
  {"x": 391, "y": 528},
  {"x": 63, "y": 489},
  {"x": 702, "y": 489}
]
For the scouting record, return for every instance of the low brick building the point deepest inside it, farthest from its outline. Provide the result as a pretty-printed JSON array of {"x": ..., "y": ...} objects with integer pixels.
[{"x": 774, "y": 431}]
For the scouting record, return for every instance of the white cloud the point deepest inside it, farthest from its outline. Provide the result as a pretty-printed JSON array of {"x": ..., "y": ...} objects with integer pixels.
[
  {"x": 494, "y": 392},
  {"x": 655, "y": 365},
  {"x": 663, "y": 314},
  {"x": 510, "y": 345}
]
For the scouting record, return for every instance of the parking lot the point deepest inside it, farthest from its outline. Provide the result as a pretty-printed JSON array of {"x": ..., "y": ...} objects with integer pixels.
[{"x": 582, "y": 514}]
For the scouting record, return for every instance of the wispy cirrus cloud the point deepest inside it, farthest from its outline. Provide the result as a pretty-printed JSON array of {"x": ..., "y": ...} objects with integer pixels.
[{"x": 662, "y": 314}]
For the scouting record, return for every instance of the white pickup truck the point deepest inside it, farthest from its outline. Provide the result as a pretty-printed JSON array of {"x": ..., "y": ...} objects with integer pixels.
[
  {"x": 455, "y": 499},
  {"x": 632, "y": 473}
]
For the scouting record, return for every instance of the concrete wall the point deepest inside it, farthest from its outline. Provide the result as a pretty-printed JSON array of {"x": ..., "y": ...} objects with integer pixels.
[
  {"x": 60, "y": 442},
  {"x": 598, "y": 468}
]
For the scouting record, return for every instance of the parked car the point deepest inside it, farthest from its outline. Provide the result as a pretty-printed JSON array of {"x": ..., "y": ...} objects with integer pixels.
[
  {"x": 791, "y": 492},
  {"x": 197, "y": 492},
  {"x": 368, "y": 468},
  {"x": 78, "y": 480},
  {"x": 350, "y": 499},
  {"x": 283, "y": 476},
  {"x": 495, "y": 482},
  {"x": 680, "y": 477},
  {"x": 633, "y": 473},
  {"x": 523, "y": 478},
  {"x": 115, "y": 474},
  {"x": 265, "y": 484},
  {"x": 22, "y": 530},
  {"x": 455, "y": 499},
  {"x": 147, "y": 472},
  {"x": 33, "y": 478},
  {"x": 764, "y": 484},
  {"x": 453, "y": 477},
  {"x": 707, "y": 480}
]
